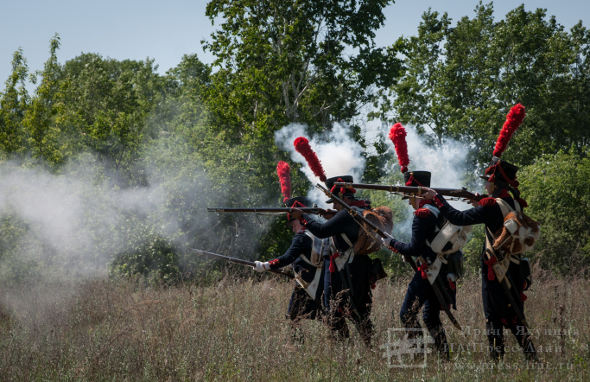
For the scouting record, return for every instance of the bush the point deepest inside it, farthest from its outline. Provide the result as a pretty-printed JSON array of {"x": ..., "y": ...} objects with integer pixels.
[
  {"x": 556, "y": 189},
  {"x": 155, "y": 259}
]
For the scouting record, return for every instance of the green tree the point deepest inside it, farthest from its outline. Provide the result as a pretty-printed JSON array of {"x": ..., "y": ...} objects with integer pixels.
[
  {"x": 279, "y": 62},
  {"x": 13, "y": 104},
  {"x": 459, "y": 82},
  {"x": 105, "y": 105},
  {"x": 43, "y": 137},
  {"x": 92, "y": 104},
  {"x": 305, "y": 61},
  {"x": 313, "y": 62}
]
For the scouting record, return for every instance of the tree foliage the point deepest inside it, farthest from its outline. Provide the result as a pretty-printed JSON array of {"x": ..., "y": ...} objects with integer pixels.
[
  {"x": 305, "y": 61},
  {"x": 556, "y": 189},
  {"x": 13, "y": 105}
]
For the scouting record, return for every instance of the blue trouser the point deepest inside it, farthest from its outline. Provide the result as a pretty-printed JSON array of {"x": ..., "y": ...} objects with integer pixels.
[
  {"x": 347, "y": 293},
  {"x": 302, "y": 306},
  {"x": 500, "y": 314},
  {"x": 418, "y": 295}
]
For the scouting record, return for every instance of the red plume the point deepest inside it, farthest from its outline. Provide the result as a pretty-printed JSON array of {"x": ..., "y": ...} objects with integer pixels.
[
  {"x": 303, "y": 148},
  {"x": 284, "y": 173},
  {"x": 513, "y": 120},
  {"x": 397, "y": 134}
]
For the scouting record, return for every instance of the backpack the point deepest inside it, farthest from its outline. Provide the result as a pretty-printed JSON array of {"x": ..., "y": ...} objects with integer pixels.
[
  {"x": 447, "y": 237},
  {"x": 382, "y": 217},
  {"x": 519, "y": 232}
]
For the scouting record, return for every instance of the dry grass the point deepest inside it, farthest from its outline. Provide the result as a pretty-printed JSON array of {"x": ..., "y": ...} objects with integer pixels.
[{"x": 236, "y": 330}]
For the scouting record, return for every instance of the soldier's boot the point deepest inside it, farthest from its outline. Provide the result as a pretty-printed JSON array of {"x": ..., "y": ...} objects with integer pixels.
[
  {"x": 366, "y": 330},
  {"x": 440, "y": 342},
  {"x": 495, "y": 333},
  {"x": 526, "y": 343}
]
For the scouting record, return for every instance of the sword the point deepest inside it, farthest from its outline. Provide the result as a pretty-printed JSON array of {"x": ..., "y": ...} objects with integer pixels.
[{"x": 239, "y": 261}]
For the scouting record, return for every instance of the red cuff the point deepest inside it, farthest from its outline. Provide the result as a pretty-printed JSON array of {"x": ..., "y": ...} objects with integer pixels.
[
  {"x": 391, "y": 247},
  {"x": 438, "y": 201}
]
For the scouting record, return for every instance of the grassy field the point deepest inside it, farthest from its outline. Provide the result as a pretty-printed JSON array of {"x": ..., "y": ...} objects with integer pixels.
[{"x": 236, "y": 330}]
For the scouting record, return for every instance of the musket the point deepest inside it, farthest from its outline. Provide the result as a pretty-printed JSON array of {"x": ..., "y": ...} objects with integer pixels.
[
  {"x": 361, "y": 220},
  {"x": 239, "y": 261},
  {"x": 271, "y": 210},
  {"x": 453, "y": 192}
]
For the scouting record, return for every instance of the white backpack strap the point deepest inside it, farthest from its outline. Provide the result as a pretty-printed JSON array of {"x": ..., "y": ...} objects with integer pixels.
[
  {"x": 517, "y": 205},
  {"x": 317, "y": 249},
  {"x": 346, "y": 239},
  {"x": 504, "y": 207}
]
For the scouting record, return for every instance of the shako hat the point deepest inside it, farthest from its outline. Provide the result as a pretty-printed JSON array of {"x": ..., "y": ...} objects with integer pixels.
[
  {"x": 417, "y": 178},
  {"x": 501, "y": 172},
  {"x": 340, "y": 191},
  {"x": 298, "y": 201}
]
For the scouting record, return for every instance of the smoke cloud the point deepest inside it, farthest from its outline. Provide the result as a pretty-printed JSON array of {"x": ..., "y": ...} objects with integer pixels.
[{"x": 72, "y": 223}]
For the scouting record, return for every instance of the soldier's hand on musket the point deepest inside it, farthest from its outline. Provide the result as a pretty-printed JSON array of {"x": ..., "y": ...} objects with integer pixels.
[
  {"x": 428, "y": 193},
  {"x": 260, "y": 266},
  {"x": 327, "y": 213},
  {"x": 388, "y": 242},
  {"x": 475, "y": 202},
  {"x": 295, "y": 213}
]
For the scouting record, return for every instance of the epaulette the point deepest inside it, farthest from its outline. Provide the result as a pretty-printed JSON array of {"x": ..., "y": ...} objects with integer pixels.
[
  {"x": 422, "y": 212},
  {"x": 487, "y": 202}
]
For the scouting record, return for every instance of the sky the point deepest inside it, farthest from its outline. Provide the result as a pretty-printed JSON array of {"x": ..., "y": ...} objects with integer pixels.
[{"x": 166, "y": 30}]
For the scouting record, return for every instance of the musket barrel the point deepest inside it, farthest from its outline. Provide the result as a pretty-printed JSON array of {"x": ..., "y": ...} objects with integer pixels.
[
  {"x": 269, "y": 210},
  {"x": 454, "y": 192}
]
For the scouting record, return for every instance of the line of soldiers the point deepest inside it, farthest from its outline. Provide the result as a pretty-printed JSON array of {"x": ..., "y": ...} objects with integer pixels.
[{"x": 335, "y": 281}]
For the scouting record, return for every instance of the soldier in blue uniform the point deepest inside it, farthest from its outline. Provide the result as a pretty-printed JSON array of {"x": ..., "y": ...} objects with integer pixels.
[
  {"x": 500, "y": 179},
  {"x": 420, "y": 292},
  {"x": 348, "y": 278},
  {"x": 305, "y": 255}
]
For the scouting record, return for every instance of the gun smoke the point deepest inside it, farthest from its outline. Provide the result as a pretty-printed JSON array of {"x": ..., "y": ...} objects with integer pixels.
[
  {"x": 340, "y": 154},
  {"x": 65, "y": 228}
]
